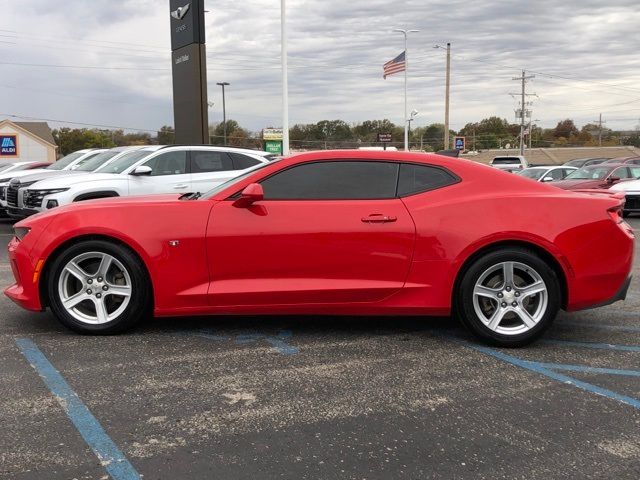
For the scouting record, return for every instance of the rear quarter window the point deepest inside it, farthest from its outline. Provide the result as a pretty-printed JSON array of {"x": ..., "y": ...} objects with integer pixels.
[
  {"x": 422, "y": 178},
  {"x": 505, "y": 160}
]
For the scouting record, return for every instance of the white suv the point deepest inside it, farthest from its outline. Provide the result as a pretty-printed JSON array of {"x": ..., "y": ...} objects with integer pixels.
[{"x": 149, "y": 170}]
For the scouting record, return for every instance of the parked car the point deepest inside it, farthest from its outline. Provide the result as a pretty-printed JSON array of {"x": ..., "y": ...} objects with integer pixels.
[
  {"x": 510, "y": 163},
  {"x": 14, "y": 192},
  {"x": 7, "y": 167},
  {"x": 546, "y": 174},
  {"x": 632, "y": 196},
  {"x": 148, "y": 170},
  {"x": 331, "y": 232},
  {"x": 603, "y": 175},
  {"x": 583, "y": 162},
  {"x": 635, "y": 160}
]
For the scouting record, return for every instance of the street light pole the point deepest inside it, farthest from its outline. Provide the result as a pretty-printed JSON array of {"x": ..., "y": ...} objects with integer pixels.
[
  {"x": 285, "y": 81},
  {"x": 406, "y": 70},
  {"x": 224, "y": 110}
]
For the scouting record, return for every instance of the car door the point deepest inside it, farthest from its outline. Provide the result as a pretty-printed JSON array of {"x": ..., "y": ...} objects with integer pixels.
[
  {"x": 326, "y": 232},
  {"x": 168, "y": 175},
  {"x": 210, "y": 168}
]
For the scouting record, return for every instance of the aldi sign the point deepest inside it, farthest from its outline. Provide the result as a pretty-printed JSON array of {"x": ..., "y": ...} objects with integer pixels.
[{"x": 8, "y": 145}]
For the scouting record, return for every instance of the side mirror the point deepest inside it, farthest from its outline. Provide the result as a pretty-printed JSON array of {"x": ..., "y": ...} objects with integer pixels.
[
  {"x": 613, "y": 179},
  {"x": 142, "y": 170},
  {"x": 547, "y": 179},
  {"x": 252, "y": 193}
]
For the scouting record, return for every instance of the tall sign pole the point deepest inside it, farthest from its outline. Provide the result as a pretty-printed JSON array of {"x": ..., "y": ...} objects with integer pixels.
[
  {"x": 189, "y": 68},
  {"x": 406, "y": 72},
  {"x": 446, "y": 102},
  {"x": 285, "y": 82}
]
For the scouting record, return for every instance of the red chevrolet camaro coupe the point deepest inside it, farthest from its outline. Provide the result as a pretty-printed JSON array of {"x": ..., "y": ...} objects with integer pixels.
[{"x": 342, "y": 232}]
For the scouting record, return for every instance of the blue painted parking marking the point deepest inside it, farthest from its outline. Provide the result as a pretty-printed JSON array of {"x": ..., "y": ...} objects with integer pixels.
[
  {"x": 598, "y": 346},
  {"x": 547, "y": 372},
  {"x": 278, "y": 341},
  {"x": 601, "y": 326},
  {"x": 586, "y": 369},
  {"x": 114, "y": 461}
]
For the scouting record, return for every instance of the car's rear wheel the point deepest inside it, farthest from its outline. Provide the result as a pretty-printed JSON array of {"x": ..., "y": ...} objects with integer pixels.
[
  {"x": 98, "y": 287},
  {"x": 508, "y": 297}
]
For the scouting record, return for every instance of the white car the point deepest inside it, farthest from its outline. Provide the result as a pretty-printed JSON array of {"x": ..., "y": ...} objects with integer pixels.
[
  {"x": 82, "y": 165},
  {"x": 65, "y": 163},
  {"x": 149, "y": 170},
  {"x": 631, "y": 191},
  {"x": 546, "y": 173}
]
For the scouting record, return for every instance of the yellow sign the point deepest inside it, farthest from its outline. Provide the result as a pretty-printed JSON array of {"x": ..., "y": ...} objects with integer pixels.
[{"x": 272, "y": 134}]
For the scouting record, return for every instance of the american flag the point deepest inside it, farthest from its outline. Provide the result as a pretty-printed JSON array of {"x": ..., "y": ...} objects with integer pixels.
[{"x": 394, "y": 66}]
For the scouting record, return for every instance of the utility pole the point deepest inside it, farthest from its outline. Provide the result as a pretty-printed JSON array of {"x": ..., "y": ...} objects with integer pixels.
[
  {"x": 224, "y": 110},
  {"x": 600, "y": 122},
  {"x": 523, "y": 79},
  {"x": 446, "y": 102}
]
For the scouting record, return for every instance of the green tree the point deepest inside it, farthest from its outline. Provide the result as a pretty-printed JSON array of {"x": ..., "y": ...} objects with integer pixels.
[
  {"x": 69, "y": 140},
  {"x": 565, "y": 128},
  {"x": 166, "y": 135}
]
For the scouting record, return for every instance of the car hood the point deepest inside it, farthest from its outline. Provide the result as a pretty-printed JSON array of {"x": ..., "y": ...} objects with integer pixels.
[
  {"x": 66, "y": 181},
  {"x": 578, "y": 184},
  {"x": 36, "y": 177},
  {"x": 630, "y": 186},
  {"x": 22, "y": 173}
]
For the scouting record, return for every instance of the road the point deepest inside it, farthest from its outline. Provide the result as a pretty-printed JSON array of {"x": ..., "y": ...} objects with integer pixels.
[{"x": 317, "y": 397}]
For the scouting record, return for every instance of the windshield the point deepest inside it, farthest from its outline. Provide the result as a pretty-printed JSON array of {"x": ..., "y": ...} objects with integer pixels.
[
  {"x": 124, "y": 162},
  {"x": 230, "y": 182},
  {"x": 65, "y": 161},
  {"x": 589, "y": 173},
  {"x": 534, "y": 173},
  {"x": 91, "y": 163}
]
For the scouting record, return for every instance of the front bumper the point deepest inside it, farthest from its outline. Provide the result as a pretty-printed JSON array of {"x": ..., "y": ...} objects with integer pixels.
[
  {"x": 20, "y": 213},
  {"x": 25, "y": 290}
]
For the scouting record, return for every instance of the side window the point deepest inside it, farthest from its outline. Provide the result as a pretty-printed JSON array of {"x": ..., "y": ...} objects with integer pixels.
[
  {"x": 170, "y": 163},
  {"x": 421, "y": 178},
  {"x": 635, "y": 171},
  {"x": 343, "y": 180},
  {"x": 203, "y": 161},
  {"x": 566, "y": 172},
  {"x": 622, "y": 172},
  {"x": 556, "y": 174},
  {"x": 240, "y": 161}
]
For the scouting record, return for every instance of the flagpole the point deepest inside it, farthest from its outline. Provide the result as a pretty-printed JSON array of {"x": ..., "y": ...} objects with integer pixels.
[
  {"x": 406, "y": 69},
  {"x": 285, "y": 83}
]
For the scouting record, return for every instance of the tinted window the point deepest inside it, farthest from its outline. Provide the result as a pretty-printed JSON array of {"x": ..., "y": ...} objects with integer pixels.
[
  {"x": 96, "y": 161},
  {"x": 210, "y": 161},
  {"x": 334, "y": 180},
  {"x": 505, "y": 160},
  {"x": 240, "y": 162},
  {"x": 170, "y": 163},
  {"x": 556, "y": 174},
  {"x": 420, "y": 178},
  {"x": 622, "y": 172}
]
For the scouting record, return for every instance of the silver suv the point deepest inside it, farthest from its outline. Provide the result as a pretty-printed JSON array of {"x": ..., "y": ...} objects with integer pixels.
[{"x": 510, "y": 163}]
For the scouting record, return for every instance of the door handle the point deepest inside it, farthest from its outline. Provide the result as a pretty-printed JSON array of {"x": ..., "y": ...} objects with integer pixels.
[
  {"x": 176, "y": 187},
  {"x": 379, "y": 218}
]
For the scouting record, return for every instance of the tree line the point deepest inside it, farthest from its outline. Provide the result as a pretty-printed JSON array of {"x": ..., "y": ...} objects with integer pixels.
[{"x": 488, "y": 133}]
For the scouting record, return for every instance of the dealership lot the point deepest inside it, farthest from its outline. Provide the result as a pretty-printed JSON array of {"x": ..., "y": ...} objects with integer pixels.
[{"x": 294, "y": 397}]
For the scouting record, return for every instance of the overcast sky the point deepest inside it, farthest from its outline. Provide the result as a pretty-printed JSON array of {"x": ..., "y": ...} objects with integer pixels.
[{"x": 586, "y": 55}]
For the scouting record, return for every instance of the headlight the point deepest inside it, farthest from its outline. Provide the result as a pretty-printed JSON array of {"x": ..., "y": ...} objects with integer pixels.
[
  {"x": 21, "y": 232},
  {"x": 44, "y": 193}
]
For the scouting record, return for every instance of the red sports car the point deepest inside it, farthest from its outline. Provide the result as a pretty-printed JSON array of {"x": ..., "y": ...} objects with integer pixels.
[{"x": 342, "y": 232}]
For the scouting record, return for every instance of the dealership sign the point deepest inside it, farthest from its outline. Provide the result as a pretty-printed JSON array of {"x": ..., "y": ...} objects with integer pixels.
[{"x": 8, "y": 145}]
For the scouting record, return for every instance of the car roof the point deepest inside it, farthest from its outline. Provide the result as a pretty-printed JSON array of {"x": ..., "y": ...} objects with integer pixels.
[{"x": 219, "y": 148}]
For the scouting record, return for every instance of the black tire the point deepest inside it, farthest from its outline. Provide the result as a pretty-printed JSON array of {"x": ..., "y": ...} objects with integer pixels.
[
  {"x": 140, "y": 303},
  {"x": 463, "y": 297}
]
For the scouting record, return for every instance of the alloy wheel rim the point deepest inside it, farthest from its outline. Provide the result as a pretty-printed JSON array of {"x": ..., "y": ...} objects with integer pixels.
[
  {"x": 510, "y": 298},
  {"x": 94, "y": 288}
]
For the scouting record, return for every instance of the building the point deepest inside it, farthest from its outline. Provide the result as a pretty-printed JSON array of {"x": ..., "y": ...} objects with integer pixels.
[{"x": 26, "y": 141}]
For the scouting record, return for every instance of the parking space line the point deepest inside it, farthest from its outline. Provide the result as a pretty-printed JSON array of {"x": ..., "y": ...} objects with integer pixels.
[
  {"x": 598, "y": 346},
  {"x": 88, "y": 426},
  {"x": 620, "y": 328},
  {"x": 540, "y": 369},
  {"x": 584, "y": 369}
]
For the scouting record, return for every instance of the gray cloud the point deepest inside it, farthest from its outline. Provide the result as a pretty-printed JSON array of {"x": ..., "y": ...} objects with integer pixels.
[{"x": 336, "y": 52}]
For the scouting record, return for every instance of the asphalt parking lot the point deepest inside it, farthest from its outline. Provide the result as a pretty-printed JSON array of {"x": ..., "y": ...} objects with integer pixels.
[{"x": 292, "y": 397}]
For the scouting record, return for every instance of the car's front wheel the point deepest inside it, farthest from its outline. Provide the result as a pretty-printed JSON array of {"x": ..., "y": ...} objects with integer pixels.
[
  {"x": 508, "y": 297},
  {"x": 98, "y": 287}
]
